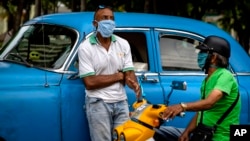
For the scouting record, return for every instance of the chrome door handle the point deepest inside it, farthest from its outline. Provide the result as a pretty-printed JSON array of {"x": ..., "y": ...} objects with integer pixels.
[{"x": 144, "y": 78}]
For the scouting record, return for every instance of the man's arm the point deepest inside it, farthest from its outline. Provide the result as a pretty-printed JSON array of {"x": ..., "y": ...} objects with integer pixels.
[
  {"x": 101, "y": 81},
  {"x": 191, "y": 126},
  {"x": 131, "y": 81},
  {"x": 203, "y": 104}
]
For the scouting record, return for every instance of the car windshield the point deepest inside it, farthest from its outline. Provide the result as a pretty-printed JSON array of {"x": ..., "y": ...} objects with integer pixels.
[{"x": 40, "y": 45}]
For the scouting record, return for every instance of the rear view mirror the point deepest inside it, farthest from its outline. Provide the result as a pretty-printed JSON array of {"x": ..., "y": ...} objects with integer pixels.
[
  {"x": 179, "y": 85},
  {"x": 176, "y": 85}
]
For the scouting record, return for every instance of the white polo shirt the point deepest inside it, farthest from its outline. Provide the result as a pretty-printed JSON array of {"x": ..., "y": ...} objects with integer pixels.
[{"x": 95, "y": 60}]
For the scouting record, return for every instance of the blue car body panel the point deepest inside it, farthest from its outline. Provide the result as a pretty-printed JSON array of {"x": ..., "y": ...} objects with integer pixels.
[
  {"x": 21, "y": 76},
  {"x": 40, "y": 103}
]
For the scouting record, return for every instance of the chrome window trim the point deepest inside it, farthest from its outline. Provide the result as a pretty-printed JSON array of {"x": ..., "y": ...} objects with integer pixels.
[
  {"x": 182, "y": 73},
  {"x": 69, "y": 59},
  {"x": 243, "y": 73},
  {"x": 132, "y": 29},
  {"x": 172, "y": 32},
  {"x": 179, "y": 32},
  {"x": 186, "y": 34}
]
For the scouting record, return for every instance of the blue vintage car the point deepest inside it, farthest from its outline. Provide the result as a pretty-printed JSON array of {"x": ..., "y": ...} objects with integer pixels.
[{"x": 42, "y": 96}]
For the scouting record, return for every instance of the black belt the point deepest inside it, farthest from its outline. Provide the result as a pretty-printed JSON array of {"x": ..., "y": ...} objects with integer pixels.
[{"x": 142, "y": 123}]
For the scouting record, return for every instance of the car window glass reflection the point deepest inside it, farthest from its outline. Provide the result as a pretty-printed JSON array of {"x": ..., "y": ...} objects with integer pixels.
[
  {"x": 44, "y": 46},
  {"x": 178, "y": 53}
]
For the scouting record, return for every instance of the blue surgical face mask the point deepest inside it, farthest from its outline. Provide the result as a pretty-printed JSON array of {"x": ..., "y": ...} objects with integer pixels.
[
  {"x": 201, "y": 59},
  {"x": 106, "y": 28}
]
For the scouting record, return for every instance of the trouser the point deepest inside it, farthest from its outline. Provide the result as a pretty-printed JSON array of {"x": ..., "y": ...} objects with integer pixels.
[
  {"x": 168, "y": 133},
  {"x": 104, "y": 117}
]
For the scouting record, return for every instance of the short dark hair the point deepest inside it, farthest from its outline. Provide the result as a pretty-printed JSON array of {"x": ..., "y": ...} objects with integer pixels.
[{"x": 102, "y": 7}]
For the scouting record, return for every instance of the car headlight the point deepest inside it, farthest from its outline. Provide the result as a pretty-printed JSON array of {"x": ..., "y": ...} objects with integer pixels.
[
  {"x": 122, "y": 137},
  {"x": 115, "y": 135}
]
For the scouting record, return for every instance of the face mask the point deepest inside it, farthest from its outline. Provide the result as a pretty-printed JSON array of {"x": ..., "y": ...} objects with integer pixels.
[
  {"x": 201, "y": 59},
  {"x": 106, "y": 28}
]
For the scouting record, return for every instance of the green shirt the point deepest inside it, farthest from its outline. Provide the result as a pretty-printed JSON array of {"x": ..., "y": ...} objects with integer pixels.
[{"x": 224, "y": 81}]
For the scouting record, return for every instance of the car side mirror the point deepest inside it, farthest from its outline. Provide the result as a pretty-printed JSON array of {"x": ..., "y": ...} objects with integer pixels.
[{"x": 176, "y": 85}]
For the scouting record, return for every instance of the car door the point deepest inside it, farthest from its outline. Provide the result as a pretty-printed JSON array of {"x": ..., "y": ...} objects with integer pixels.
[
  {"x": 142, "y": 48},
  {"x": 30, "y": 92},
  {"x": 178, "y": 62},
  {"x": 74, "y": 125}
]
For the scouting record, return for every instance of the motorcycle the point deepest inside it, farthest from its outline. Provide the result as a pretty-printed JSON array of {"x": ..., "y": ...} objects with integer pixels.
[{"x": 146, "y": 119}]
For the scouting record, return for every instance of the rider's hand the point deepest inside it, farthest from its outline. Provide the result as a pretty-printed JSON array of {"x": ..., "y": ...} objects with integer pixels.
[
  {"x": 172, "y": 111},
  {"x": 184, "y": 137}
]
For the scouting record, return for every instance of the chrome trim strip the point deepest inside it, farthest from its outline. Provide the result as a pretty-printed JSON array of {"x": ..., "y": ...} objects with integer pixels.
[
  {"x": 132, "y": 29},
  {"x": 147, "y": 73},
  {"x": 243, "y": 73},
  {"x": 70, "y": 57},
  {"x": 182, "y": 73},
  {"x": 178, "y": 31}
]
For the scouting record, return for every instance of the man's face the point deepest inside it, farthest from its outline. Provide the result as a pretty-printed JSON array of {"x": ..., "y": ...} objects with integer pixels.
[{"x": 103, "y": 14}]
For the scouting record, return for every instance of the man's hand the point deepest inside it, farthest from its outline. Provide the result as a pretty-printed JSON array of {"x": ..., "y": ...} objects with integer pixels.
[
  {"x": 121, "y": 77},
  {"x": 135, "y": 86}
]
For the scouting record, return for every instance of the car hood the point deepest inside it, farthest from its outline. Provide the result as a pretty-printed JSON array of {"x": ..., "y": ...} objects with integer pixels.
[{"x": 12, "y": 74}]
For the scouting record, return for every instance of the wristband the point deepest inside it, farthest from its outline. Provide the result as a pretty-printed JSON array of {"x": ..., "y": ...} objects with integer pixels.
[{"x": 184, "y": 106}]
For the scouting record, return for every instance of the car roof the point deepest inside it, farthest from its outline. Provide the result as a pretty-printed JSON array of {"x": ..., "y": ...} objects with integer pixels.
[{"x": 83, "y": 21}]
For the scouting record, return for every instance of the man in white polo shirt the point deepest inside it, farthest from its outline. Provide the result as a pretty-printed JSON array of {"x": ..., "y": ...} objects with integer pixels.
[{"x": 106, "y": 66}]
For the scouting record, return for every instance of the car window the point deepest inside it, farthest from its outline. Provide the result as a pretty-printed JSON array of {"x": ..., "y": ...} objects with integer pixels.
[
  {"x": 138, "y": 45},
  {"x": 45, "y": 46},
  {"x": 178, "y": 53}
]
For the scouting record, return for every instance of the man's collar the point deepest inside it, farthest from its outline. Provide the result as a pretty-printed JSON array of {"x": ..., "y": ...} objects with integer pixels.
[{"x": 93, "y": 39}]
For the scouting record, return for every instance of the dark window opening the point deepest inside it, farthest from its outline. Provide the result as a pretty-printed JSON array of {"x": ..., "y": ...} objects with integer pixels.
[{"x": 138, "y": 47}]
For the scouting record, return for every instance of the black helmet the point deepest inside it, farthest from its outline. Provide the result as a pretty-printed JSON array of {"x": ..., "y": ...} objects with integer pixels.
[{"x": 216, "y": 44}]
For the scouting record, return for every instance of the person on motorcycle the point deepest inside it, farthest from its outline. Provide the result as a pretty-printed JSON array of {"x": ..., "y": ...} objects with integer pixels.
[{"x": 219, "y": 90}]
